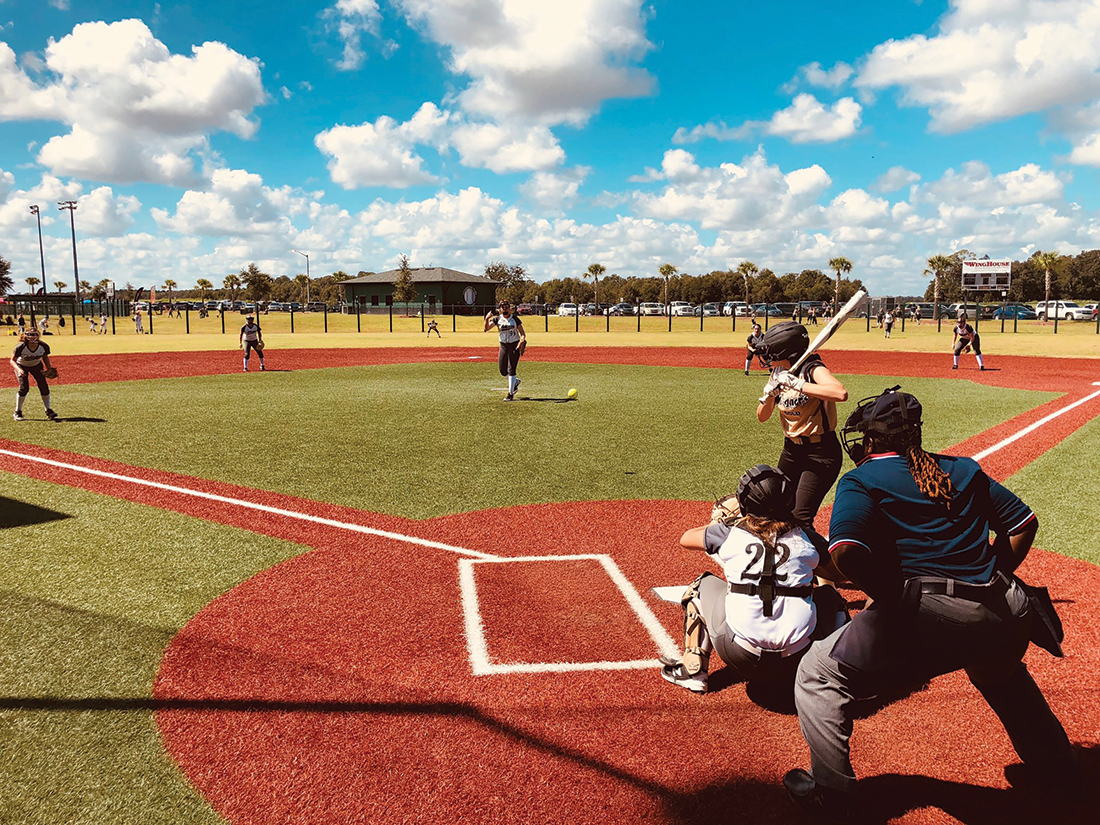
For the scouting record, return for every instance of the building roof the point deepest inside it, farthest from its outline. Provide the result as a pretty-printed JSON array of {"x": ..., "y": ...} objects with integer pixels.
[{"x": 422, "y": 275}]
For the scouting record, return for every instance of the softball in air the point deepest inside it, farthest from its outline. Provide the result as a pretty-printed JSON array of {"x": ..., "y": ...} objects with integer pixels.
[{"x": 572, "y": 393}]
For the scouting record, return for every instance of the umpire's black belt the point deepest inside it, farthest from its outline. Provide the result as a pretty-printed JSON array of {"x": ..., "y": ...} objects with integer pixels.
[{"x": 981, "y": 593}]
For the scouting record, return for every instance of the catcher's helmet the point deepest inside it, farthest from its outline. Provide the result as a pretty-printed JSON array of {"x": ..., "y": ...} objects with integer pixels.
[
  {"x": 889, "y": 413},
  {"x": 785, "y": 342},
  {"x": 766, "y": 491}
]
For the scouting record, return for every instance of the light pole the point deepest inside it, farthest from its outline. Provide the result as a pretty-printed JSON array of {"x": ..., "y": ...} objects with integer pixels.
[
  {"x": 304, "y": 255},
  {"x": 41, "y": 254},
  {"x": 70, "y": 207}
]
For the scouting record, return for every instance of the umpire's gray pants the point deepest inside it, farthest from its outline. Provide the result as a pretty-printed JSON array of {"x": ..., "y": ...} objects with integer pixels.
[{"x": 949, "y": 634}]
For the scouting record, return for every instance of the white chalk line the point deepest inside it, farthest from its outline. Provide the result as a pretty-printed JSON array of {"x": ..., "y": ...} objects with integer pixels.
[
  {"x": 249, "y": 505},
  {"x": 1034, "y": 426},
  {"x": 478, "y": 648}
]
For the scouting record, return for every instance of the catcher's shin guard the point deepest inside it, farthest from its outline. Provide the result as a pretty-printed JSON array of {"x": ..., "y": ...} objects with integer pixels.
[{"x": 697, "y": 645}]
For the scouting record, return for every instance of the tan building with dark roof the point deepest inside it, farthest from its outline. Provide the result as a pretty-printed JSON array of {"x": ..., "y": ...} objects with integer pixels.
[{"x": 439, "y": 289}]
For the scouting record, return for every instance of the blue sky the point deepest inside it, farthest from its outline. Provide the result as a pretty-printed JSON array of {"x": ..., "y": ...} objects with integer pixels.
[{"x": 199, "y": 137}]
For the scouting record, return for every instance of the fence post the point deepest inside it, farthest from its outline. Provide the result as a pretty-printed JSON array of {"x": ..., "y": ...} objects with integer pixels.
[
  {"x": 1055, "y": 318},
  {"x": 292, "y": 320},
  {"x": 150, "y": 318},
  {"x": 421, "y": 318},
  {"x": 577, "y": 320},
  {"x": 221, "y": 311},
  {"x": 391, "y": 317},
  {"x": 701, "y": 316},
  {"x": 326, "y": 317},
  {"x": 74, "y": 315},
  {"x": 358, "y": 317},
  {"x": 187, "y": 321},
  {"x": 545, "y": 318},
  {"x": 668, "y": 312},
  {"x": 638, "y": 312},
  {"x": 454, "y": 317}
]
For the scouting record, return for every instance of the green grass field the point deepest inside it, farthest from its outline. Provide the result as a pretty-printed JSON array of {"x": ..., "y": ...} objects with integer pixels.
[{"x": 94, "y": 588}]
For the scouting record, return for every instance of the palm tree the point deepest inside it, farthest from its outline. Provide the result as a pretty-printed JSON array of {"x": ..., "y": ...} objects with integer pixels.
[
  {"x": 667, "y": 271},
  {"x": 747, "y": 269},
  {"x": 204, "y": 287},
  {"x": 303, "y": 285},
  {"x": 6, "y": 283},
  {"x": 1047, "y": 260},
  {"x": 232, "y": 283},
  {"x": 839, "y": 264},
  {"x": 60, "y": 286},
  {"x": 937, "y": 265},
  {"x": 594, "y": 272},
  {"x": 169, "y": 285},
  {"x": 32, "y": 282}
]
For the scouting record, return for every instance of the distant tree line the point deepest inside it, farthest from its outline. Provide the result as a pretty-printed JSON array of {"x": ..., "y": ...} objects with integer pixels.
[
  {"x": 1043, "y": 276},
  {"x": 745, "y": 283}
]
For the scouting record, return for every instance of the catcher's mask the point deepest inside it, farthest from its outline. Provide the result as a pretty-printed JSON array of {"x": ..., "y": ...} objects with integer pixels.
[
  {"x": 766, "y": 491},
  {"x": 785, "y": 342},
  {"x": 886, "y": 414}
]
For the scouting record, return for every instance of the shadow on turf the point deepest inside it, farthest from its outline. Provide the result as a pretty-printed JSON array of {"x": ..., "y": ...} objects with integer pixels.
[
  {"x": 548, "y": 400},
  {"x": 14, "y": 513},
  {"x": 881, "y": 798},
  {"x": 83, "y": 418}
]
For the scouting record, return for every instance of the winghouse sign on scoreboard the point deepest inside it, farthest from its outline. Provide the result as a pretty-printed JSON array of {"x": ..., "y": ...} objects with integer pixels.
[{"x": 986, "y": 275}]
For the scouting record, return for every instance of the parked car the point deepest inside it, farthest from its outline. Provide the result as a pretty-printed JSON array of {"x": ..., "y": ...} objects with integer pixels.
[
  {"x": 771, "y": 310},
  {"x": 743, "y": 310},
  {"x": 1019, "y": 311},
  {"x": 788, "y": 309},
  {"x": 276, "y": 306},
  {"x": 567, "y": 309},
  {"x": 294, "y": 306},
  {"x": 711, "y": 310},
  {"x": 525, "y": 309},
  {"x": 731, "y": 307},
  {"x": 316, "y": 306},
  {"x": 621, "y": 309},
  {"x": 681, "y": 308},
  {"x": 651, "y": 309},
  {"x": 1062, "y": 310}
]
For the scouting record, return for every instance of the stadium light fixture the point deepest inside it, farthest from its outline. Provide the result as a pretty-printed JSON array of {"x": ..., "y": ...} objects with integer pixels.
[
  {"x": 41, "y": 254},
  {"x": 304, "y": 255},
  {"x": 70, "y": 207}
]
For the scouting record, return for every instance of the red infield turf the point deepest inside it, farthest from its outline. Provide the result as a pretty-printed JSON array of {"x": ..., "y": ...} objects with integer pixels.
[{"x": 341, "y": 686}]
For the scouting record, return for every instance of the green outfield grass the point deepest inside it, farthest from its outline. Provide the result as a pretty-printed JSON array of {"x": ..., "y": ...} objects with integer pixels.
[
  {"x": 1078, "y": 340},
  {"x": 421, "y": 440}
]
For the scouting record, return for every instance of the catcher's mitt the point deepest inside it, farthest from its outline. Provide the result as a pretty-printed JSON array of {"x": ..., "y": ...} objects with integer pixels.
[
  {"x": 50, "y": 372},
  {"x": 259, "y": 346},
  {"x": 726, "y": 510},
  {"x": 966, "y": 348}
]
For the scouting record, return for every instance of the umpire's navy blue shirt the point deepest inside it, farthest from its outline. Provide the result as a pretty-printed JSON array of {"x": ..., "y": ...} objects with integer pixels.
[{"x": 878, "y": 505}]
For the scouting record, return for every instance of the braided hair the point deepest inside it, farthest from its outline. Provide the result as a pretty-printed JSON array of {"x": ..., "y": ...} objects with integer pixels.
[
  {"x": 764, "y": 528},
  {"x": 931, "y": 479}
]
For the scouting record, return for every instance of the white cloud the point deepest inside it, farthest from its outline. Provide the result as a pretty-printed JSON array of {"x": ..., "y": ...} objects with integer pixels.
[
  {"x": 974, "y": 185},
  {"x": 136, "y": 112},
  {"x": 753, "y": 193},
  {"x": 237, "y": 204},
  {"x": 101, "y": 213},
  {"x": 504, "y": 149},
  {"x": 553, "y": 61},
  {"x": 895, "y": 178},
  {"x": 351, "y": 19},
  {"x": 555, "y": 191},
  {"x": 381, "y": 153},
  {"x": 812, "y": 74},
  {"x": 993, "y": 60},
  {"x": 806, "y": 120}
]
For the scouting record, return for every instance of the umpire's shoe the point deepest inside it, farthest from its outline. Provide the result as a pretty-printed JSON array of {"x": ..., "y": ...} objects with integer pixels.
[{"x": 820, "y": 803}]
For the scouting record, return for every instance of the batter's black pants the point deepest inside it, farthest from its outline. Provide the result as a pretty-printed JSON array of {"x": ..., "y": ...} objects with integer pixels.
[
  {"x": 814, "y": 469},
  {"x": 508, "y": 359}
]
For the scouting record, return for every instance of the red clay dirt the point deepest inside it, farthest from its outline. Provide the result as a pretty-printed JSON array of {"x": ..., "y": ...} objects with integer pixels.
[{"x": 336, "y": 687}]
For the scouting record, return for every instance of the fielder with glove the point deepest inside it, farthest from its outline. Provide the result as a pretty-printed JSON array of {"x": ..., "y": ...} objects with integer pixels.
[
  {"x": 806, "y": 400},
  {"x": 31, "y": 359}
]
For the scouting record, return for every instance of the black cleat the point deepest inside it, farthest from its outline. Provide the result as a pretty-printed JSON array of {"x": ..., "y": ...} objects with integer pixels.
[
  {"x": 17, "y": 415},
  {"x": 820, "y": 803},
  {"x": 955, "y": 366},
  {"x": 50, "y": 414}
]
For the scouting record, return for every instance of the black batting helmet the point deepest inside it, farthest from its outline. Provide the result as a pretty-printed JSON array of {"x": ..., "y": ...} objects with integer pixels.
[
  {"x": 886, "y": 414},
  {"x": 766, "y": 491},
  {"x": 785, "y": 342}
]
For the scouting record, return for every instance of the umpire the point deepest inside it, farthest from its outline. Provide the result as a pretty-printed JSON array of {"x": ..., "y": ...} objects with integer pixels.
[{"x": 912, "y": 530}]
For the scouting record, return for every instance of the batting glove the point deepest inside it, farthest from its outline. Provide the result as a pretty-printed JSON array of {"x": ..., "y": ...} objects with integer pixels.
[{"x": 790, "y": 380}]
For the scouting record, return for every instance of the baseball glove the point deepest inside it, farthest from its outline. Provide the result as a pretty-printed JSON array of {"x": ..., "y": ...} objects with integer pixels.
[
  {"x": 966, "y": 348},
  {"x": 50, "y": 372},
  {"x": 725, "y": 511},
  {"x": 522, "y": 348},
  {"x": 259, "y": 346}
]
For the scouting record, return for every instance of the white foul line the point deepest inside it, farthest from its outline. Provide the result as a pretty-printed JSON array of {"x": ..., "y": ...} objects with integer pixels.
[
  {"x": 1032, "y": 427},
  {"x": 263, "y": 508},
  {"x": 478, "y": 649}
]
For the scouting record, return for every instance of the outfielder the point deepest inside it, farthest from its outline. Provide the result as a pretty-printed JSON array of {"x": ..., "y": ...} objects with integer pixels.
[
  {"x": 762, "y": 618},
  {"x": 513, "y": 341},
  {"x": 966, "y": 338},
  {"x": 754, "y": 345},
  {"x": 912, "y": 530},
  {"x": 32, "y": 359},
  {"x": 811, "y": 456},
  {"x": 252, "y": 338}
]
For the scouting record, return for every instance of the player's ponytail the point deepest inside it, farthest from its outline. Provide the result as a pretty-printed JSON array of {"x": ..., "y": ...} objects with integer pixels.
[{"x": 768, "y": 530}]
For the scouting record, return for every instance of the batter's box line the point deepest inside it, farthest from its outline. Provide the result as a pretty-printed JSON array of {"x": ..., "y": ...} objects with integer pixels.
[{"x": 475, "y": 629}]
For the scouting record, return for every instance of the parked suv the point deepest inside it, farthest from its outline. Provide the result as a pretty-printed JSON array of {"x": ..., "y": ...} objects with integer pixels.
[
  {"x": 651, "y": 309},
  {"x": 1062, "y": 310},
  {"x": 567, "y": 309},
  {"x": 316, "y": 306}
]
